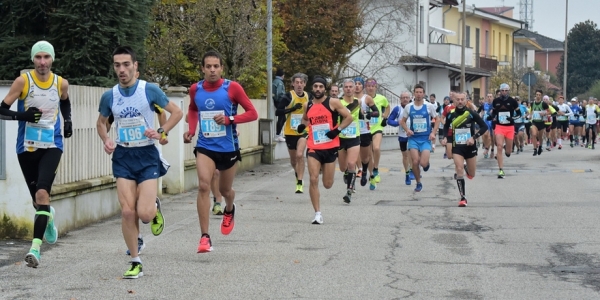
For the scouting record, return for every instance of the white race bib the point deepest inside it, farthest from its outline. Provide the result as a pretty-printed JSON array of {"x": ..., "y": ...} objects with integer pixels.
[
  {"x": 503, "y": 117},
  {"x": 349, "y": 132},
  {"x": 208, "y": 126},
  {"x": 318, "y": 132},
  {"x": 419, "y": 125},
  {"x": 131, "y": 132},
  {"x": 295, "y": 120},
  {"x": 374, "y": 120},
  {"x": 39, "y": 135},
  {"x": 462, "y": 135},
  {"x": 537, "y": 116},
  {"x": 363, "y": 125}
]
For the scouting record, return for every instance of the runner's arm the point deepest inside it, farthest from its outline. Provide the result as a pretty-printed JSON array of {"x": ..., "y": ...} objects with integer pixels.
[
  {"x": 393, "y": 117},
  {"x": 482, "y": 125},
  {"x": 11, "y": 97},
  {"x": 192, "y": 115},
  {"x": 283, "y": 103},
  {"x": 238, "y": 95}
]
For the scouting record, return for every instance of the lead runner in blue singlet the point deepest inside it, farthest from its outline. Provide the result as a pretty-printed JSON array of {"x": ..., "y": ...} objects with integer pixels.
[{"x": 136, "y": 162}]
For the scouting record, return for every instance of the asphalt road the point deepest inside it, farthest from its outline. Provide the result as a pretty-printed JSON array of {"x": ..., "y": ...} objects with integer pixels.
[{"x": 532, "y": 235}]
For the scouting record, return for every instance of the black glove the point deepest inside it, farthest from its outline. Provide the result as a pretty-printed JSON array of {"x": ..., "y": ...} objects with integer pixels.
[
  {"x": 298, "y": 106},
  {"x": 576, "y": 115},
  {"x": 490, "y": 118},
  {"x": 33, "y": 115},
  {"x": 368, "y": 115},
  {"x": 68, "y": 130},
  {"x": 301, "y": 128},
  {"x": 332, "y": 133},
  {"x": 383, "y": 122}
]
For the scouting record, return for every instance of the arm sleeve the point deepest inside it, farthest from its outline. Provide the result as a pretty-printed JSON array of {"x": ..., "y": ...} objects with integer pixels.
[
  {"x": 552, "y": 110},
  {"x": 393, "y": 117},
  {"x": 106, "y": 104},
  {"x": 156, "y": 95},
  {"x": 238, "y": 95},
  {"x": 192, "y": 116},
  {"x": 285, "y": 100}
]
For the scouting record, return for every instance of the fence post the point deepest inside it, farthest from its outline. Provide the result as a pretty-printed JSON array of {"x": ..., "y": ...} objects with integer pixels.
[{"x": 173, "y": 181}]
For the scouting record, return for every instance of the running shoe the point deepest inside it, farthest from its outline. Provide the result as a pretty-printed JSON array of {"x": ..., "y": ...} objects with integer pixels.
[
  {"x": 419, "y": 187},
  {"x": 33, "y": 258},
  {"x": 158, "y": 223},
  {"x": 364, "y": 179},
  {"x": 462, "y": 202},
  {"x": 571, "y": 144},
  {"x": 51, "y": 233},
  {"x": 141, "y": 246},
  {"x": 445, "y": 155},
  {"x": 228, "y": 223},
  {"x": 205, "y": 244},
  {"x": 559, "y": 147},
  {"x": 377, "y": 177},
  {"x": 348, "y": 196},
  {"x": 407, "y": 180},
  {"x": 501, "y": 174},
  {"x": 372, "y": 184},
  {"x": 535, "y": 152},
  {"x": 217, "y": 209},
  {"x": 411, "y": 175},
  {"x": 299, "y": 189},
  {"x": 318, "y": 220},
  {"x": 539, "y": 150},
  {"x": 134, "y": 272},
  {"x": 279, "y": 138},
  {"x": 427, "y": 168}
]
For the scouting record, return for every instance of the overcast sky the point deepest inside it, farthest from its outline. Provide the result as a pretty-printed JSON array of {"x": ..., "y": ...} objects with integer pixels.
[{"x": 549, "y": 15}]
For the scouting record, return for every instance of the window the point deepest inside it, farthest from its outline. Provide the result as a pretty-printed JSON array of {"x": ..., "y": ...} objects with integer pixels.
[
  {"x": 468, "y": 36},
  {"x": 477, "y": 33},
  {"x": 487, "y": 42},
  {"x": 499, "y": 53},
  {"x": 507, "y": 48},
  {"x": 2, "y": 151},
  {"x": 421, "y": 24}
]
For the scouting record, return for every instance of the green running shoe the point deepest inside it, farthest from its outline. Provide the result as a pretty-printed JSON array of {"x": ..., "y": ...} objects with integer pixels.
[
  {"x": 51, "y": 233},
  {"x": 33, "y": 258},
  {"x": 158, "y": 223},
  {"x": 134, "y": 272}
]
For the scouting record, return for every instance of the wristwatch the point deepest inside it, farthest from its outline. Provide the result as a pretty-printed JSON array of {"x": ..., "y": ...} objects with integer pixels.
[
  {"x": 162, "y": 131},
  {"x": 231, "y": 119}
]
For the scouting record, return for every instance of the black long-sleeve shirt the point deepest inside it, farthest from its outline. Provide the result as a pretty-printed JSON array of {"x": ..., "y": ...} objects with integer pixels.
[
  {"x": 286, "y": 99},
  {"x": 463, "y": 122}
]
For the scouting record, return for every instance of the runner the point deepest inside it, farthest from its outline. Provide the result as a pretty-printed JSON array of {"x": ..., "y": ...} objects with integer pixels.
[
  {"x": 366, "y": 102},
  {"x": 551, "y": 124},
  {"x": 334, "y": 91},
  {"x": 563, "y": 115},
  {"x": 442, "y": 120},
  {"x": 213, "y": 106},
  {"x": 376, "y": 124},
  {"x": 322, "y": 115},
  {"x": 136, "y": 160},
  {"x": 520, "y": 129},
  {"x": 349, "y": 140},
  {"x": 394, "y": 120},
  {"x": 575, "y": 124},
  {"x": 590, "y": 113},
  {"x": 447, "y": 110},
  {"x": 291, "y": 109},
  {"x": 420, "y": 133},
  {"x": 39, "y": 154},
  {"x": 463, "y": 120},
  {"x": 502, "y": 115},
  {"x": 488, "y": 137},
  {"x": 539, "y": 110},
  {"x": 438, "y": 111}
]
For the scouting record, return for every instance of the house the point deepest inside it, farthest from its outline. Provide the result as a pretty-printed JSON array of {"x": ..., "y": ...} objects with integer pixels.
[{"x": 549, "y": 56}]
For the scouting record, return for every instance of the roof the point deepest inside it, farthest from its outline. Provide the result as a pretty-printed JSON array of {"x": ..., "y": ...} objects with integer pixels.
[
  {"x": 425, "y": 62},
  {"x": 544, "y": 41},
  {"x": 498, "y": 10}
]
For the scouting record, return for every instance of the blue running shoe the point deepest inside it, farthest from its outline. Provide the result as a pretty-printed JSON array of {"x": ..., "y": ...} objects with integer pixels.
[
  {"x": 141, "y": 246},
  {"x": 411, "y": 175},
  {"x": 372, "y": 184},
  {"x": 51, "y": 233},
  {"x": 419, "y": 187},
  {"x": 407, "y": 180}
]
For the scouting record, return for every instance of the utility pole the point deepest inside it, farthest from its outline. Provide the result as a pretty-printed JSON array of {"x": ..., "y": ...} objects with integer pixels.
[
  {"x": 270, "y": 105},
  {"x": 566, "y": 48},
  {"x": 464, "y": 42}
]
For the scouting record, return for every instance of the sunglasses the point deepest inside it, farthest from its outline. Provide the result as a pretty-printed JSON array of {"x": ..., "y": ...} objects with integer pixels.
[{"x": 504, "y": 90}]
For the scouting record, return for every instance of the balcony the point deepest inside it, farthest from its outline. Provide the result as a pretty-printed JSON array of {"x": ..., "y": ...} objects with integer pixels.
[
  {"x": 486, "y": 62},
  {"x": 450, "y": 53}
]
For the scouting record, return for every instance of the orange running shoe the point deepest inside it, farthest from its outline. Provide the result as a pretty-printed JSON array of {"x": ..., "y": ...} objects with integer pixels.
[
  {"x": 462, "y": 202},
  {"x": 359, "y": 174},
  {"x": 228, "y": 223},
  {"x": 205, "y": 244}
]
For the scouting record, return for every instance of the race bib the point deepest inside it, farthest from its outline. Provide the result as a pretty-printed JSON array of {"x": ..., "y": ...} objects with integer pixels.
[
  {"x": 562, "y": 118},
  {"x": 462, "y": 135},
  {"x": 537, "y": 116},
  {"x": 131, "y": 132},
  {"x": 581, "y": 119},
  {"x": 374, "y": 121},
  {"x": 419, "y": 125},
  {"x": 350, "y": 131},
  {"x": 318, "y": 133},
  {"x": 39, "y": 135},
  {"x": 295, "y": 120},
  {"x": 210, "y": 128},
  {"x": 591, "y": 118},
  {"x": 363, "y": 125},
  {"x": 503, "y": 117}
]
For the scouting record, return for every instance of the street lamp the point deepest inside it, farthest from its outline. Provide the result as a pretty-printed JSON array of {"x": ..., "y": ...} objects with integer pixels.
[{"x": 566, "y": 48}]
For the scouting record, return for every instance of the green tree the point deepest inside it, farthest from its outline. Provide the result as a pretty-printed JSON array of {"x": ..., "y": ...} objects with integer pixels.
[
  {"x": 583, "y": 57},
  {"x": 319, "y": 35},
  {"x": 83, "y": 38}
]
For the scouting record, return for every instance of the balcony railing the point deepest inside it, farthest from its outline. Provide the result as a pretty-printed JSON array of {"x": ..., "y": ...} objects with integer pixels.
[{"x": 486, "y": 62}]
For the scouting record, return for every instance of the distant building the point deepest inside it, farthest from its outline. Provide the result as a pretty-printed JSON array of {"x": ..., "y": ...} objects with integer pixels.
[{"x": 552, "y": 50}]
